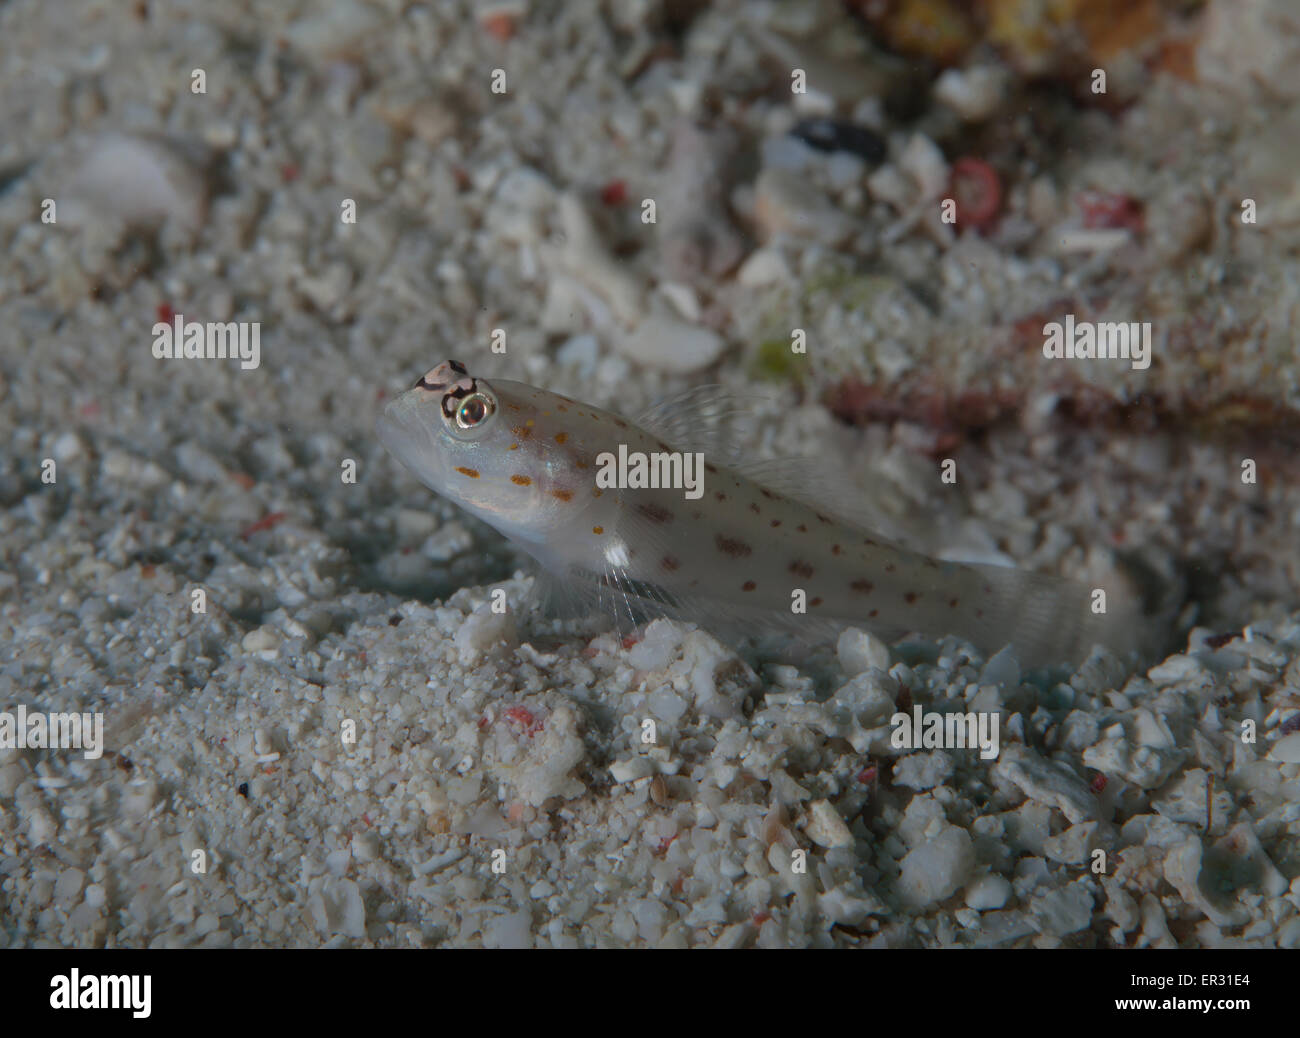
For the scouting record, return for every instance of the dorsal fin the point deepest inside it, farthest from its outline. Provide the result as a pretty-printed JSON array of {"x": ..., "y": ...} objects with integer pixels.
[{"x": 716, "y": 422}]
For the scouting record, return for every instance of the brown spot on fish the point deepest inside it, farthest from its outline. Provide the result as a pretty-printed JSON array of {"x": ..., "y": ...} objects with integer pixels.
[
  {"x": 563, "y": 495},
  {"x": 868, "y": 542},
  {"x": 889, "y": 567},
  {"x": 910, "y": 597},
  {"x": 801, "y": 528},
  {"x": 578, "y": 463},
  {"x": 767, "y": 494},
  {"x": 753, "y": 507},
  {"x": 815, "y": 602},
  {"x": 669, "y": 563},
  {"x": 873, "y": 614},
  {"x": 597, "y": 492},
  {"x": 720, "y": 495},
  {"x": 472, "y": 473},
  {"x": 822, "y": 518},
  {"x": 748, "y": 585},
  {"x": 561, "y": 437},
  {"x": 952, "y": 602},
  {"x": 801, "y": 569},
  {"x": 835, "y": 549},
  {"x": 864, "y": 586},
  {"x": 655, "y": 513},
  {"x": 988, "y": 590},
  {"x": 775, "y": 523},
  {"x": 733, "y": 548},
  {"x": 521, "y": 481},
  {"x": 710, "y": 467},
  {"x": 697, "y": 515},
  {"x": 561, "y": 407}
]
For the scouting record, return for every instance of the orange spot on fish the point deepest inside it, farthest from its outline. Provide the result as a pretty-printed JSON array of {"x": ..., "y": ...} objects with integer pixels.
[
  {"x": 748, "y": 585},
  {"x": 598, "y": 530},
  {"x": 522, "y": 481},
  {"x": 563, "y": 495},
  {"x": 472, "y": 473},
  {"x": 561, "y": 437}
]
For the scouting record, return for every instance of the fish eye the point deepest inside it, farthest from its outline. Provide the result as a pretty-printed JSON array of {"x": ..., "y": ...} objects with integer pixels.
[{"x": 473, "y": 410}]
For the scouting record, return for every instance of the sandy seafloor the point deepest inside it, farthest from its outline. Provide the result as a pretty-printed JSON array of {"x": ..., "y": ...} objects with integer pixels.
[{"x": 330, "y": 601}]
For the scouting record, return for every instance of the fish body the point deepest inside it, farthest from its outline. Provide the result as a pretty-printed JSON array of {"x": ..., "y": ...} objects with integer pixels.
[{"x": 729, "y": 550}]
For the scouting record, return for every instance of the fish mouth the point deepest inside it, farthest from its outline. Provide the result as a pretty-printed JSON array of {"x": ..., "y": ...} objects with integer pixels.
[{"x": 405, "y": 430}]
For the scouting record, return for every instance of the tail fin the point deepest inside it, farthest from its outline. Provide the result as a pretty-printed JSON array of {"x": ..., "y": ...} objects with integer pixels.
[{"x": 1049, "y": 621}]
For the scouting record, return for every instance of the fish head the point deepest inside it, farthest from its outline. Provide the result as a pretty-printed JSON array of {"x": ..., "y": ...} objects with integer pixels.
[{"x": 474, "y": 443}]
